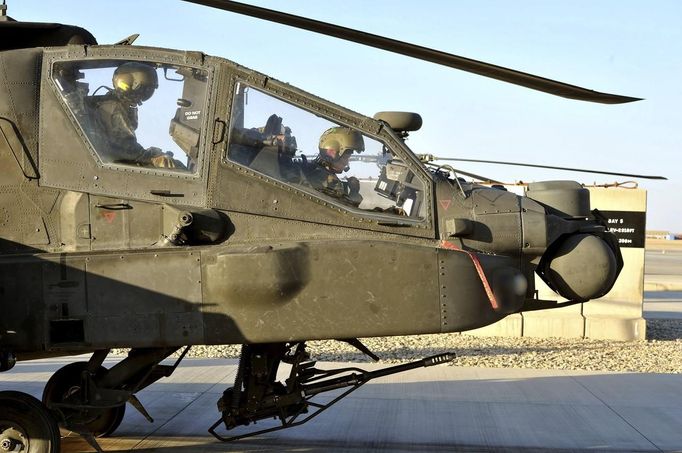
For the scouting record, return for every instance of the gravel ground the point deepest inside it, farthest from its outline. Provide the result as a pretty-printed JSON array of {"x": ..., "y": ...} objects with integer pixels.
[{"x": 660, "y": 353}]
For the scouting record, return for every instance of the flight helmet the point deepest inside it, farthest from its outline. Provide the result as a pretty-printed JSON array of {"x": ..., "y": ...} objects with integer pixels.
[{"x": 135, "y": 82}]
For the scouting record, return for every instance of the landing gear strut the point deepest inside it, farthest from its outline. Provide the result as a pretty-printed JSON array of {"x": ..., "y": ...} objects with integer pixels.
[
  {"x": 26, "y": 425},
  {"x": 256, "y": 395},
  {"x": 66, "y": 385},
  {"x": 88, "y": 399}
]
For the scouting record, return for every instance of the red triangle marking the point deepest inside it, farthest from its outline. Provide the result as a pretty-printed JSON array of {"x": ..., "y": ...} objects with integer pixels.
[{"x": 109, "y": 216}]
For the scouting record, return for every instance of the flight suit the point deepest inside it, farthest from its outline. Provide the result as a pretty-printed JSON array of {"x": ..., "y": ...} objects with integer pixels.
[
  {"x": 115, "y": 125},
  {"x": 326, "y": 181}
]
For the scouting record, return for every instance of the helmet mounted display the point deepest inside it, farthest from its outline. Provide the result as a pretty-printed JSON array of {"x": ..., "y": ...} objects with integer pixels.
[{"x": 135, "y": 82}]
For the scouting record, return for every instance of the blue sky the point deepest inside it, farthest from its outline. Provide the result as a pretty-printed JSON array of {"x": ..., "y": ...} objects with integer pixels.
[{"x": 626, "y": 47}]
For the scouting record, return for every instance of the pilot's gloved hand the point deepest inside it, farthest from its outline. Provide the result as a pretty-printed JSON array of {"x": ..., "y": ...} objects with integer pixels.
[
  {"x": 289, "y": 142},
  {"x": 163, "y": 161},
  {"x": 353, "y": 185},
  {"x": 145, "y": 159}
]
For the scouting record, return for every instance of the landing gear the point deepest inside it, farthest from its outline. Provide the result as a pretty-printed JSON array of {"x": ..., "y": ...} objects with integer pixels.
[
  {"x": 26, "y": 425},
  {"x": 66, "y": 386},
  {"x": 89, "y": 399},
  {"x": 256, "y": 395}
]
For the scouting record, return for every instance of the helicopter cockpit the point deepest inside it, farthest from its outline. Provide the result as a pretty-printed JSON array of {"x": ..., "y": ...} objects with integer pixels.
[
  {"x": 123, "y": 108},
  {"x": 318, "y": 155}
]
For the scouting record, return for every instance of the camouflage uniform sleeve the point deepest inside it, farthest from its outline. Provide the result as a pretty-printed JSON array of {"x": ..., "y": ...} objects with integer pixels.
[
  {"x": 120, "y": 125},
  {"x": 123, "y": 135}
]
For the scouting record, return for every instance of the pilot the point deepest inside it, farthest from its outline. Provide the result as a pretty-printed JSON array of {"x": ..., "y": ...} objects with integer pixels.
[
  {"x": 245, "y": 144},
  {"x": 134, "y": 83},
  {"x": 336, "y": 146}
]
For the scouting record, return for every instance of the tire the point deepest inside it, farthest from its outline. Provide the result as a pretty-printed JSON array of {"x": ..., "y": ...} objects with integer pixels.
[
  {"x": 27, "y": 425},
  {"x": 66, "y": 381}
]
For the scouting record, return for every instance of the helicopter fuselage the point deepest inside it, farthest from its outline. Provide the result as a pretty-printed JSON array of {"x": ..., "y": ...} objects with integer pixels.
[{"x": 95, "y": 255}]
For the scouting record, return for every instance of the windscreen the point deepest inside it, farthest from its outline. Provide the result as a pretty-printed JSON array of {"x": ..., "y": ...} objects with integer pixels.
[
  {"x": 137, "y": 114},
  {"x": 331, "y": 160}
]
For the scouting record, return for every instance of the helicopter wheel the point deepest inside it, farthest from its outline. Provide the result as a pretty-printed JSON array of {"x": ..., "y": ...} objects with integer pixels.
[
  {"x": 66, "y": 382},
  {"x": 26, "y": 425}
]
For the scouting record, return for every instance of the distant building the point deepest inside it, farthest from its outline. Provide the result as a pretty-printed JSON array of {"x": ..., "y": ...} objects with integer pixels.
[{"x": 667, "y": 235}]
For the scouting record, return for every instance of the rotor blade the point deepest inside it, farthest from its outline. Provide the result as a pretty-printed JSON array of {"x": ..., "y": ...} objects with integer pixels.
[
  {"x": 423, "y": 53},
  {"x": 551, "y": 167}
]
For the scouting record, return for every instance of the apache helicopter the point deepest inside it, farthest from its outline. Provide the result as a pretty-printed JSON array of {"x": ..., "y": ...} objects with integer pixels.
[{"x": 155, "y": 199}]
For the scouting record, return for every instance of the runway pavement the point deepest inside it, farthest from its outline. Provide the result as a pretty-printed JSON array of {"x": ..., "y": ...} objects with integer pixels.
[
  {"x": 440, "y": 408},
  {"x": 663, "y": 305},
  {"x": 663, "y": 284},
  {"x": 663, "y": 270}
]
